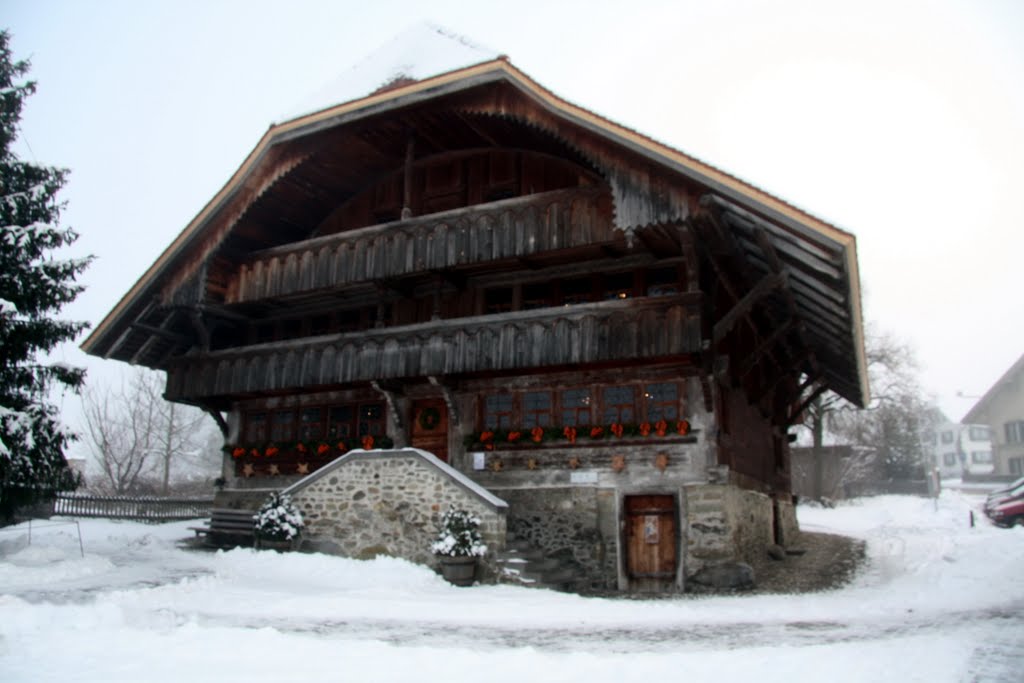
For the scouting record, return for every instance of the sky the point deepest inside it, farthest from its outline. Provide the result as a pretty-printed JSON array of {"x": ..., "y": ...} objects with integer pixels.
[{"x": 899, "y": 121}]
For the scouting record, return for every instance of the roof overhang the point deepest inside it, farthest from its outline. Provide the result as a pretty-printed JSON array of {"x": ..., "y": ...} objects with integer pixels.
[{"x": 783, "y": 221}]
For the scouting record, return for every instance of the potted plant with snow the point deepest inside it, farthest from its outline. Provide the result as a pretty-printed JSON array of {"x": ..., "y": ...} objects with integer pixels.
[
  {"x": 278, "y": 523},
  {"x": 458, "y": 546}
]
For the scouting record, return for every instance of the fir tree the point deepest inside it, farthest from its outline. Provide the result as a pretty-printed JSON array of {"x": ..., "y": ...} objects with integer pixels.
[{"x": 34, "y": 286}]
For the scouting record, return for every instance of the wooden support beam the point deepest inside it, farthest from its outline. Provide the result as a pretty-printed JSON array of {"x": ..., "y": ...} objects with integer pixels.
[
  {"x": 449, "y": 399},
  {"x": 763, "y": 288},
  {"x": 410, "y": 148},
  {"x": 815, "y": 393},
  {"x": 390, "y": 395},
  {"x": 765, "y": 346},
  {"x": 218, "y": 417},
  {"x": 201, "y": 329},
  {"x": 165, "y": 334}
]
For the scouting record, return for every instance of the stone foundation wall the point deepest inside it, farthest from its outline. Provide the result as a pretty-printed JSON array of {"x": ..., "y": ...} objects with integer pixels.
[
  {"x": 371, "y": 503},
  {"x": 751, "y": 518},
  {"x": 726, "y": 523},
  {"x": 788, "y": 529},
  {"x": 576, "y": 525}
]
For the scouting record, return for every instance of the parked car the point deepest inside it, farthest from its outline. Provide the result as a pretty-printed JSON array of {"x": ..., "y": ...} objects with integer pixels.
[
  {"x": 1008, "y": 513},
  {"x": 1006, "y": 489},
  {"x": 1014, "y": 490}
]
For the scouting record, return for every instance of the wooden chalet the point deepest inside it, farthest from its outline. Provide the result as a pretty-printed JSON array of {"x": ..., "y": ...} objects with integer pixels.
[{"x": 609, "y": 335}]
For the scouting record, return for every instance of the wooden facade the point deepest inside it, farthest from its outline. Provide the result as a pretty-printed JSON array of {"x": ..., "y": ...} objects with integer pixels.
[{"x": 472, "y": 266}]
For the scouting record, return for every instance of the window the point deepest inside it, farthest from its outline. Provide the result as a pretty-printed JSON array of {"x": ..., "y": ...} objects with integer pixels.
[
  {"x": 1016, "y": 465},
  {"x": 947, "y": 437},
  {"x": 949, "y": 459},
  {"x": 256, "y": 427},
  {"x": 663, "y": 282},
  {"x": 537, "y": 407},
  {"x": 577, "y": 291},
  {"x": 619, "y": 404},
  {"x": 310, "y": 424},
  {"x": 498, "y": 411},
  {"x": 662, "y": 401},
  {"x": 980, "y": 433},
  {"x": 536, "y": 296},
  {"x": 575, "y": 407},
  {"x": 498, "y": 300},
  {"x": 1015, "y": 431},
  {"x": 339, "y": 422},
  {"x": 283, "y": 428},
  {"x": 371, "y": 419},
  {"x": 981, "y": 457},
  {"x": 618, "y": 286}
]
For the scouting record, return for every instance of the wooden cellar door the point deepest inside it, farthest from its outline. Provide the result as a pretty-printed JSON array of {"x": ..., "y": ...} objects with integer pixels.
[
  {"x": 651, "y": 540},
  {"x": 430, "y": 427}
]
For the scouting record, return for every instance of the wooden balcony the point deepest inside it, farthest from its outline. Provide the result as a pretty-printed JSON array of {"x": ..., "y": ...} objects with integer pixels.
[
  {"x": 506, "y": 229},
  {"x": 641, "y": 329}
]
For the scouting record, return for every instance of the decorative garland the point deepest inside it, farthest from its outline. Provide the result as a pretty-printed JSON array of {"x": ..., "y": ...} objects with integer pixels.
[
  {"x": 489, "y": 439},
  {"x": 323, "y": 449},
  {"x": 429, "y": 419}
]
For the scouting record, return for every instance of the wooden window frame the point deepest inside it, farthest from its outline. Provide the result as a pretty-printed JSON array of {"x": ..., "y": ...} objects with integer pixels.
[
  {"x": 588, "y": 410},
  {"x": 607, "y": 406},
  {"x": 529, "y": 414},
  {"x": 650, "y": 402},
  {"x": 510, "y": 413}
]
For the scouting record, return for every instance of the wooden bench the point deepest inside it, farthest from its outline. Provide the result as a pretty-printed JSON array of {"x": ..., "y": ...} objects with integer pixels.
[{"x": 227, "y": 526}]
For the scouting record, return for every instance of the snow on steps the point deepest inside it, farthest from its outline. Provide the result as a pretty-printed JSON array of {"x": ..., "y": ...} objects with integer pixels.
[{"x": 523, "y": 564}]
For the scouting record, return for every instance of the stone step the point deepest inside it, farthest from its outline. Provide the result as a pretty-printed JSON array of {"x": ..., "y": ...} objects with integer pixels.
[{"x": 528, "y": 555}]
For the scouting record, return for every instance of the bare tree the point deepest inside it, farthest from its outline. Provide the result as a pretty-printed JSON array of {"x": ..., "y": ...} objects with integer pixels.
[
  {"x": 892, "y": 424},
  {"x": 136, "y": 436}
]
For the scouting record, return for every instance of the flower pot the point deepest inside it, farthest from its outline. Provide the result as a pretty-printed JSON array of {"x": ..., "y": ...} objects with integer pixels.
[
  {"x": 458, "y": 571},
  {"x": 276, "y": 544}
]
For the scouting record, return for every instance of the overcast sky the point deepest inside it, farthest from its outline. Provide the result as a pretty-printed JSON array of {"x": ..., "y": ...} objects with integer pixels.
[{"x": 901, "y": 122}]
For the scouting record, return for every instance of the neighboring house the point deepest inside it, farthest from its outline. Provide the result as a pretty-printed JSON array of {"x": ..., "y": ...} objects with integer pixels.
[
  {"x": 957, "y": 449},
  {"x": 607, "y": 335},
  {"x": 1002, "y": 409}
]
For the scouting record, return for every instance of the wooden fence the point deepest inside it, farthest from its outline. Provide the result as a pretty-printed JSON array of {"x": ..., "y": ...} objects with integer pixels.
[{"x": 143, "y": 508}]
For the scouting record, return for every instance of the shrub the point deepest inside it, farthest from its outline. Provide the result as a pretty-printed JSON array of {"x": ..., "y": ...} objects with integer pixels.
[
  {"x": 459, "y": 535},
  {"x": 278, "y": 519}
]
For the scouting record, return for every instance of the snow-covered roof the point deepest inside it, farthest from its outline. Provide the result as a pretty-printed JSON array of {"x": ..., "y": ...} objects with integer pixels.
[
  {"x": 426, "y": 457},
  {"x": 421, "y": 51}
]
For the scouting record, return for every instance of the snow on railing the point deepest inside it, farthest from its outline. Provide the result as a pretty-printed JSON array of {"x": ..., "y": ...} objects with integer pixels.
[{"x": 143, "y": 508}]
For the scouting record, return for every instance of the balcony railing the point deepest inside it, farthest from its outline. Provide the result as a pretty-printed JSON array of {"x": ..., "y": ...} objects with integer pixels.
[
  {"x": 478, "y": 234},
  {"x": 617, "y": 330}
]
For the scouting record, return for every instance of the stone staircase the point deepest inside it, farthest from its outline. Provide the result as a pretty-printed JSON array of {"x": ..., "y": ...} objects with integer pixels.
[{"x": 524, "y": 564}]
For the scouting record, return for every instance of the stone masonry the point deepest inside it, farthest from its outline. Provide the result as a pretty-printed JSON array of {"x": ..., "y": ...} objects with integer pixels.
[
  {"x": 371, "y": 503},
  {"x": 726, "y": 523}
]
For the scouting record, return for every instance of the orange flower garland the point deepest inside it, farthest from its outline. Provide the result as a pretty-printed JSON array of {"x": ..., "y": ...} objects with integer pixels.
[
  {"x": 570, "y": 434},
  {"x": 537, "y": 434},
  {"x": 617, "y": 430},
  {"x": 368, "y": 443}
]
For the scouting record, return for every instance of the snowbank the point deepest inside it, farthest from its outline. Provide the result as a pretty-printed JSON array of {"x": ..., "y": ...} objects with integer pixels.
[{"x": 928, "y": 605}]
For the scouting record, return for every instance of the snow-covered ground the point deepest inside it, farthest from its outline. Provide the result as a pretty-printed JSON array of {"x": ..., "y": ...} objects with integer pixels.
[{"x": 939, "y": 601}]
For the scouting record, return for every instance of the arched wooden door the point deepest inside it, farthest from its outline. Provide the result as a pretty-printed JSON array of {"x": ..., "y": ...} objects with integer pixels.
[{"x": 430, "y": 427}]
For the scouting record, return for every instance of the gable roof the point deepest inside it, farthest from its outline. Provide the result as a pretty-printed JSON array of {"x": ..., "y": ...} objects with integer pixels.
[
  {"x": 831, "y": 301},
  {"x": 977, "y": 412}
]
